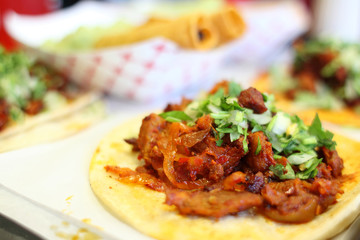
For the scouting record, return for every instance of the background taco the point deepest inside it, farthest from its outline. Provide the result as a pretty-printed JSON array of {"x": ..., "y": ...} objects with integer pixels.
[
  {"x": 38, "y": 104},
  {"x": 323, "y": 78},
  {"x": 339, "y": 115}
]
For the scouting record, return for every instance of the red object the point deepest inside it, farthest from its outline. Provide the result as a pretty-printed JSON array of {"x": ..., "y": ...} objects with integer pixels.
[{"x": 30, "y": 7}]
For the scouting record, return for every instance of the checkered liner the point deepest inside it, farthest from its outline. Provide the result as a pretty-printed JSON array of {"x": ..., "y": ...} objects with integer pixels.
[{"x": 158, "y": 68}]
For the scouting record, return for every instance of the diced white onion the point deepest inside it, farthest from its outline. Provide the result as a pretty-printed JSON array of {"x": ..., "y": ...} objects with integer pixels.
[{"x": 282, "y": 122}]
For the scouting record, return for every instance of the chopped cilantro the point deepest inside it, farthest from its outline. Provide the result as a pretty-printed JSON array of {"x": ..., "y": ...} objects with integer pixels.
[
  {"x": 324, "y": 137},
  {"x": 283, "y": 172},
  {"x": 234, "y": 89},
  {"x": 311, "y": 170},
  {"x": 16, "y": 114},
  {"x": 245, "y": 144},
  {"x": 258, "y": 148},
  {"x": 39, "y": 90},
  {"x": 175, "y": 116}
]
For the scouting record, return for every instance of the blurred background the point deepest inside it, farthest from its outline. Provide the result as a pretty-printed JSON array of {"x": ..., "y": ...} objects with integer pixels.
[
  {"x": 271, "y": 26},
  {"x": 59, "y": 32},
  {"x": 38, "y": 7}
]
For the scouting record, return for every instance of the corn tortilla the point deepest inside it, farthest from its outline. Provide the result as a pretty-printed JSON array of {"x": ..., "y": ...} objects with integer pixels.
[
  {"x": 82, "y": 112},
  {"x": 144, "y": 209}
]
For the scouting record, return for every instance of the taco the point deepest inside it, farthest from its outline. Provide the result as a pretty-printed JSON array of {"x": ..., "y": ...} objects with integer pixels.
[
  {"x": 323, "y": 78},
  {"x": 228, "y": 166},
  {"x": 38, "y": 104}
]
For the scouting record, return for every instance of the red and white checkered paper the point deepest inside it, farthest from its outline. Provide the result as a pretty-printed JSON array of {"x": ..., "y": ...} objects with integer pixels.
[
  {"x": 152, "y": 69},
  {"x": 142, "y": 72}
]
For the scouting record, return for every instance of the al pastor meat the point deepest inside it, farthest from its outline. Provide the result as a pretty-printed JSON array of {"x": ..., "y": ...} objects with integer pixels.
[{"x": 233, "y": 151}]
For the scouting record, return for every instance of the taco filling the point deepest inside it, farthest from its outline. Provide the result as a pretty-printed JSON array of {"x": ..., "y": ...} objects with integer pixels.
[
  {"x": 324, "y": 75},
  {"x": 28, "y": 88},
  {"x": 232, "y": 151}
]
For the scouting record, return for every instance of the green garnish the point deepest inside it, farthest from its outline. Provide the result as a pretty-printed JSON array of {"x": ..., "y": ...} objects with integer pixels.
[
  {"x": 310, "y": 167},
  {"x": 16, "y": 114},
  {"x": 234, "y": 89},
  {"x": 299, "y": 158},
  {"x": 23, "y": 80},
  {"x": 39, "y": 90},
  {"x": 245, "y": 144},
  {"x": 283, "y": 172},
  {"x": 289, "y": 136},
  {"x": 175, "y": 116},
  {"x": 323, "y": 137},
  {"x": 258, "y": 148},
  {"x": 345, "y": 58}
]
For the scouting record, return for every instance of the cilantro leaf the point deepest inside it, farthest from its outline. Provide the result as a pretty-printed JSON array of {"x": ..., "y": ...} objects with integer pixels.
[
  {"x": 234, "y": 89},
  {"x": 258, "y": 148},
  {"x": 39, "y": 90},
  {"x": 175, "y": 116},
  {"x": 218, "y": 137},
  {"x": 245, "y": 144},
  {"x": 283, "y": 172},
  {"x": 324, "y": 137},
  {"x": 311, "y": 171},
  {"x": 16, "y": 114}
]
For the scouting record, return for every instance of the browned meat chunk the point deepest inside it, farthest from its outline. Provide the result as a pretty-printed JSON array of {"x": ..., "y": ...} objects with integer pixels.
[
  {"x": 324, "y": 171},
  {"x": 133, "y": 142},
  {"x": 353, "y": 102},
  {"x": 4, "y": 114},
  {"x": 234, "y": 181},
  {"x": 223, "y": 84},
  {"x": 147, "y": 141},
  {"x": 190, "y": 139},
  {"x": 219, "y": 161},
  {"x": 216, "y": 203},
  {"x": 322, "y": 59},
  {"x": 34, "y": 107},
  {"x": 340, "y": 76},
  {"x": 262, "y": 160},
  {"x": 332, "y": 158},
  {"x": 253, "y": 99},
  {"x": 297, "y": 201},
  {"x": 255, "y": 182},
  {"x": 178, "y": 107},
  {"x": 307, "y": 81},
  {"x": 326, "y": 190},
  {"x": 273, "y": 196},
  {"x": 126, "y": 175},
  {"x": 295, "y": 209},
  {"x": 289, "y": 201}
]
